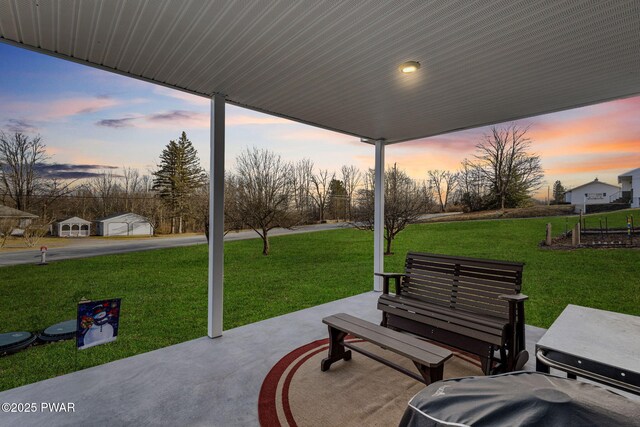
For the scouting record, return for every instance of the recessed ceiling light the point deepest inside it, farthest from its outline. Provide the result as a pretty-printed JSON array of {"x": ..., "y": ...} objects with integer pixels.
[{"x": 410, "y": 67}]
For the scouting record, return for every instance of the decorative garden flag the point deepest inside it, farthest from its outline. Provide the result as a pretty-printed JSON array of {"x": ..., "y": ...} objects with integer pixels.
[{"x": 97, "y": 322}]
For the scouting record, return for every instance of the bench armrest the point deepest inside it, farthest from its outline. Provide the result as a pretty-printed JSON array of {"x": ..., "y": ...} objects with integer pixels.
[
  {"x": 389, "y": 274},
  {"x": 386, "y": 276},
  {"x": 511, "y": 298}
]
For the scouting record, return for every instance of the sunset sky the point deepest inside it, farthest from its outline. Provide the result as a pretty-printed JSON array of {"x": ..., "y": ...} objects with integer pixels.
[{"x": 92, "y": 120}]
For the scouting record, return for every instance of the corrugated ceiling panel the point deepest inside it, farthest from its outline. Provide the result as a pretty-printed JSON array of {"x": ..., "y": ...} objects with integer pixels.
[
  {"x": 67, "y": 17},
  {"x": 24, "y": 12},
  {"x": 106, "y": 23},
  {"x": 188, "y": 42},
  {"x": 335, "y": 64},
  {"x": 47, "y": 15},
  {"x": 120, "y": 33},
  {"x": 156, "y": 34},
  {"x": 139, "y": 36},
  {"x": 88, "y": 12},
  {"x": 8, "y": 23},
  {"x": 171, "y": 38}
]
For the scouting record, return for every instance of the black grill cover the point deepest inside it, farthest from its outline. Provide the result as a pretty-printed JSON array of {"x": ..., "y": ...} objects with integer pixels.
[{"x": 519, "y": 399}]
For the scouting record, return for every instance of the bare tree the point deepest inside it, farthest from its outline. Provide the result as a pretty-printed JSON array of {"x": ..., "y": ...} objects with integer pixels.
[
  {"x": 301, "y": 183},
  {"x": 232, "y": 214},
  {"x": 146, "y": 184},
  {"x": 6, "y": 228},
  {"x": 263, "y": 192},
  {"x": 443, "y": 184},
  {"x": 233, "y": 220},
  {"x": 35, "y": 231},
  {"x": 130, "y": 186},
  {"x": 351, "y": 179},
  {"x": 404, "y": 202},
  {"x": 51, "y": 192},
  {"x": 152, "y": 208},
  {"x": 512, "y": 172},
  {"x": 104, "y": 188},
  {"x": 81, "y": 201},
  {"x": 472, "y": 188},
  {"x": 320, "y": 190},
  {"x": 20, "y": 156}
]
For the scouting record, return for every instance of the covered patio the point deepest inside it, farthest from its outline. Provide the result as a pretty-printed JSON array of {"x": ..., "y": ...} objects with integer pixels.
[
  {"x": 200, "y": 382},
  {"x": 338, "y": 66}
]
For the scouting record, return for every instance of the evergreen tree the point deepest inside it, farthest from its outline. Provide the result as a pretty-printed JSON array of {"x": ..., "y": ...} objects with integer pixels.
[
  {"x": 178, "y": 176},
  {"x": 337, "y": 199},
  {"x": 558, "y": 192}
]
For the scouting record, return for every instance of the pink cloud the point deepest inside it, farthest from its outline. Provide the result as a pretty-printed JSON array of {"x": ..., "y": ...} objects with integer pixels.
[
  {"x": 194, "y": 119},
  {"x": 76, "y": 106},
  {"x": 603, "y": 139},
  {"x": 60, "y": 109},
  {"x": 615, "y": 163},
  {"x": 169, "y": 120}
]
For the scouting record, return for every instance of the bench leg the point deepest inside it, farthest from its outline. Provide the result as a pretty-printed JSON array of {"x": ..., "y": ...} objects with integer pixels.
[
  {"x": 384, "y": 320},
  {"x": 336, "y": 349},
  {"x": 485, "y": 363},
  {"x": 430, "y": 375}
]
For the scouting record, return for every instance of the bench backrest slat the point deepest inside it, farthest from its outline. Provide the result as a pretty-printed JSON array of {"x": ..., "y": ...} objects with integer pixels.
[{"x": 469, "y": 284}]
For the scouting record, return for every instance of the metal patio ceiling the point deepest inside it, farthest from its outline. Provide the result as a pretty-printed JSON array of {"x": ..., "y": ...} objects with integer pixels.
[{"x": 334, "y": 64}]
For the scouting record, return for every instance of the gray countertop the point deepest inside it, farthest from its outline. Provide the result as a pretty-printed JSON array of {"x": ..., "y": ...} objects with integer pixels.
[{"x": 601, "y": 336}]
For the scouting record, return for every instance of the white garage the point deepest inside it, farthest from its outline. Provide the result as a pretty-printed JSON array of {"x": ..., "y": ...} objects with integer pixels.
[
  {"x": 592, "y": 193},
  {"x": 125, "y": 224}
]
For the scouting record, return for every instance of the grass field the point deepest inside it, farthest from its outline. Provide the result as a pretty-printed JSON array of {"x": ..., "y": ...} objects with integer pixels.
[{"x": 164, "y": 292}]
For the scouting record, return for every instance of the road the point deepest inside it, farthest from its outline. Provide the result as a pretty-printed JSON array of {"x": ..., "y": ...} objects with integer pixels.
[
  {"x": 438, "y": 215},
  {"x": 80, "y": 248},
  {"x": 84, "y": 248}
]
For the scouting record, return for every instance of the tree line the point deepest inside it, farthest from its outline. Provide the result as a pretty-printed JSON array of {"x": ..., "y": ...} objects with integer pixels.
[{"x": 264, "y": 191}]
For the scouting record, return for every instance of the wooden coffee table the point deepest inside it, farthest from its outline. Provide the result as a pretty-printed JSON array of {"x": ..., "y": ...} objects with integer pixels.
[{"x": 599, "y": 345}]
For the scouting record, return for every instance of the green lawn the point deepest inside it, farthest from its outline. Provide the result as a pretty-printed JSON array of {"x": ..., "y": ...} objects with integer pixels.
[{"x": 164, "y": 292}]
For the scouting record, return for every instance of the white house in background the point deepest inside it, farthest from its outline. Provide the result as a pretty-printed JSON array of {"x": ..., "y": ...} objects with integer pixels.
[
  {"x": 72, "y": 227},
  {"x": 125, "y": 224},
  {"x": 15, "y": 220},
  {"x": 630, "y": 182},
  {"x": 592, "y": 193},
  {"x": 20, "y": 219}
]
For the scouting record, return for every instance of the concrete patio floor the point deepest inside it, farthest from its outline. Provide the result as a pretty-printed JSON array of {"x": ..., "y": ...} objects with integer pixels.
[{"x": 204, "y": 382}]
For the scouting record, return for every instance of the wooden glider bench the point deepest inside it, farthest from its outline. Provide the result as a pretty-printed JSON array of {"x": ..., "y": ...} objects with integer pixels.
[
  {"x": 428, "y": 358},
  {"x": 471, "y": 304}
]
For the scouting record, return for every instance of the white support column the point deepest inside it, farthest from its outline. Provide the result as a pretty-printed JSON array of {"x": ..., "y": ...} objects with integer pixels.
[
  {"x": 378, "y": 218},
  {"x": 216, "y": 217}
]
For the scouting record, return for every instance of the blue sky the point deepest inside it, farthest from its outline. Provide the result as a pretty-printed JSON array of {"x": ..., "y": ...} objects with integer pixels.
[
  {"x": 92, "y": 117},
  {"x": 99, "y": 119}
]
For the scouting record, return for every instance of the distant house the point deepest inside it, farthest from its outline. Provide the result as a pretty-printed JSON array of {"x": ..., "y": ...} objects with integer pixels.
[
  {"x": 72, "y": 227},
  {"x": 592, "y": 193},
  {"x": 19, "y": 219},
  {"x": 630, "y": 182},
  {"x": 124, "y": 224}
]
